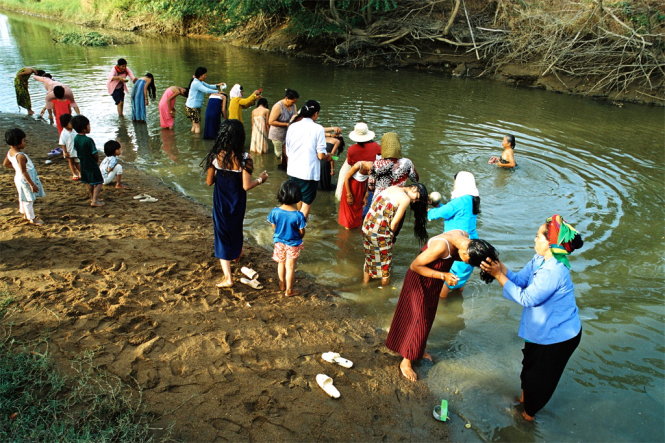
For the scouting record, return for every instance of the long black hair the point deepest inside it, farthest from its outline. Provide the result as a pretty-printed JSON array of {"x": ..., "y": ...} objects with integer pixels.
[
  {"x": 479, "y": 251},
  {"x": 231, "y": 141},
  {"x": 419, "y": 208},
  {"x": 152, "y": 88}
]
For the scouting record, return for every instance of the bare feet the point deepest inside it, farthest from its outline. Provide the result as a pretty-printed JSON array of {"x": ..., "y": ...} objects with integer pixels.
[
  {"x": 282, "y": 285},
  {"x": 520, "y": 399},
  {"x": 122, "y": 187},
  {"x": 225, "y": 283},
  {"x": 407, "y": 370},
  {"x": 527, "y": 417},
  {"x": 427, "y": 356},
  {"x": 291, "y": 293}
]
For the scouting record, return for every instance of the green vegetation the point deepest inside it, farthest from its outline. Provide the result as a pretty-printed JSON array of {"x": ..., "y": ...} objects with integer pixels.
[
  {"x": 37, "y": 403},
  {"x": 92, "y": 38}
]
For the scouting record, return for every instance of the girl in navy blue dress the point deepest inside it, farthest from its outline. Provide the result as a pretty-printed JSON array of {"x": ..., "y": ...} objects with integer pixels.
[{"x": 229, "y": 168}]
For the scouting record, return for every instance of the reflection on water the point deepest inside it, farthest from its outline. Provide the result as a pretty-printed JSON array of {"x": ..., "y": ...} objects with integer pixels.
[{"x": 597, "y": 164}]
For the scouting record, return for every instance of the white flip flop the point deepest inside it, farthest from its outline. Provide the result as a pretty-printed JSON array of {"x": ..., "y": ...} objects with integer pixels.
[
  {"x": 334, "y": 357},
  {"x": 140, "y": 196},
  {"x": 326, "y": 383},
  {"x": 252, "y": 283},
  {"x": 249, "y": 273},
  {"x": 149, "y": 199}
]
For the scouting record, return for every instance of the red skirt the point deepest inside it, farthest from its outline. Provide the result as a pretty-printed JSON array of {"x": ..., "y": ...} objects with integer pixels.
[
  {"x": 351, "y": 216},
  {"x": 415, "y": 312}
]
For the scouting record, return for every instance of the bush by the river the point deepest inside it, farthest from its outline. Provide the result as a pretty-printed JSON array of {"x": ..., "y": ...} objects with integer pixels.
[{"x": 92, "y": 38}]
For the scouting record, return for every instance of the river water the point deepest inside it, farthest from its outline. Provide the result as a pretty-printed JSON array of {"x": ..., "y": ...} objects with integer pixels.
[{"x": 597, "y": 164}]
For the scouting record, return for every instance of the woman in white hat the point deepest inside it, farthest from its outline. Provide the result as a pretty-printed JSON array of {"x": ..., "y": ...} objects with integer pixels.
[
  {"x": 459, "y": 214},
  {"x": 364, "y": 149}
]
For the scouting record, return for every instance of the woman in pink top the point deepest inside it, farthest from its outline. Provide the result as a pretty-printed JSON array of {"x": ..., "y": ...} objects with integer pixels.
[
  {"x": 116, "y": 83},
  {"x": 167, "y": 106},
  {"x": 49, "y": 84}
]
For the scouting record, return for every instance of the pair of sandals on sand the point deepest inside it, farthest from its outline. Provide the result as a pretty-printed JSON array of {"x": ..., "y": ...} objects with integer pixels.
[
  {"x": 324, "y": 381},
  {"x": 145, "y": 198}
]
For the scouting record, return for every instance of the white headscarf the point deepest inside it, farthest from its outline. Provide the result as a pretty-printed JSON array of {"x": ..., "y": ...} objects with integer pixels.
[
  {"x": 236, "y": 91},
  {"x": 465, "y": 184}
]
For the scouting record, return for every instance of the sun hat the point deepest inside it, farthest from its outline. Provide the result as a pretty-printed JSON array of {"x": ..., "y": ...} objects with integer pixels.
[
  {"x": 361, "y": 133},
  {"x": 390, "y": 145}
]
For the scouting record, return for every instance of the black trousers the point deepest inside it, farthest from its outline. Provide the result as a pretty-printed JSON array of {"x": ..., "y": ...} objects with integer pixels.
[{"x": 542, "y": 367}]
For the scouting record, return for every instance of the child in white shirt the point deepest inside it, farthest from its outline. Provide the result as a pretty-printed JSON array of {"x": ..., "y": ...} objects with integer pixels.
[
  {"x": 110, "y": 167},
  {"x": 66, "y": 143}
]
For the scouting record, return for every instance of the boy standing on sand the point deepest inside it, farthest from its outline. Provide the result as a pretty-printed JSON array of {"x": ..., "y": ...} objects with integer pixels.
[
  {"x": 66, "y": 143},
  {"x": 89, "y": 158}
]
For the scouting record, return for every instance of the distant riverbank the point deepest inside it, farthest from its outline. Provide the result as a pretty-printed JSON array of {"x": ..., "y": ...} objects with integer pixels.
[{"x": 600, "y": 51}]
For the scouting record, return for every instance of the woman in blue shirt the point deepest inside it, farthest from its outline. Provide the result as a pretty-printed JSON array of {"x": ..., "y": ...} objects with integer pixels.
[
  {"x": 550, "y": 323},
  {"x": 459, "y": 214},
  {"x": 195, "y": 93}
]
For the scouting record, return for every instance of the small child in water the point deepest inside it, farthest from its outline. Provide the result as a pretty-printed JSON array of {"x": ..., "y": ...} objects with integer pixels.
[
  {"x": 507, "y": 159},
  {"x": 110, "y": 167},
  {"x": 289, "y": 224},
  {"x": 66, "y": 143},
  {"x": 89, "y": 158},
  {"x": 27, "y": 181}
]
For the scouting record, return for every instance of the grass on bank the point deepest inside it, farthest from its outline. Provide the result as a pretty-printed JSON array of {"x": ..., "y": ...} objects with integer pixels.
[
  {"x": 38, "y": 403},
  {"x": 92, "y": 38}
]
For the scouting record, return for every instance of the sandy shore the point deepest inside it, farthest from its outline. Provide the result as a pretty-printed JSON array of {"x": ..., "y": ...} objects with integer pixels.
[{"x": 134, "y": 284}]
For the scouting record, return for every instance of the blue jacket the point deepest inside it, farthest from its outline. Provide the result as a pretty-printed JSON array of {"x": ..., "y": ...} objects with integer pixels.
[
  {"x": 196, "y": 91},
  {"x": 546, "y": 291},
  {"x": 457, "y": 214}
]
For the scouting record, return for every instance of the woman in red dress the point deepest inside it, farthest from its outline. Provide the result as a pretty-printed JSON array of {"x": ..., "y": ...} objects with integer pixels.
[{"x": 416, "y": 307}]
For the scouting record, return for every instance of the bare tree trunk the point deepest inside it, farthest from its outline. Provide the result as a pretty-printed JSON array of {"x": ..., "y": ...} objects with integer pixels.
[{"x": 451, "y": 19}]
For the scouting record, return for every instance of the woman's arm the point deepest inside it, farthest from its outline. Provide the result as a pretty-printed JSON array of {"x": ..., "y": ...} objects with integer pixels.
[
  {"x": 210, "y": 176},
  {"x": 445, "y": 212},
  {"x": 225, "y": 111},
  {"x": 347, "y": 181},
  {"x": 249, "y": 183},
  {"x": 274, "y": 115},
  {"x": 435, "y": 250},
  {"x": 145, "y": 90},
  {"x": 249, "y": 101}
]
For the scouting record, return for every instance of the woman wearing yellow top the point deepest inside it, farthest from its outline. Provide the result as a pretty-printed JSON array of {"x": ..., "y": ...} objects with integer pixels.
[{"x": 238, "y": 103}]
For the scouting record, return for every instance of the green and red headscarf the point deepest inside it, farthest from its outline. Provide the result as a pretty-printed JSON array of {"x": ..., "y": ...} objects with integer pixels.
[{"x": 563, "y": 238}]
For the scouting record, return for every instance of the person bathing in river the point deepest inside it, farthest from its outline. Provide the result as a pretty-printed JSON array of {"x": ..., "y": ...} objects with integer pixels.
[
  {"x": 144, "y": 88},
  {"x": 279, "y": 118},
  {"x": 116, "y": 83},
  {"x": 419, "y": 298},
  {"x": 216, "y": 111},
  {"x": 384, "y": 221},
  {"x": 167, "y": 106},
  {"x": 364, "y": 149},
  {"x": 238, "y": 103},
  {"x": 49, "y": 86},
  {"x": 459, "y": 214},
  {"x": 550, "y": 324},
  {"x": 21, "y": 88},
  {"x": 305, "y": 146},
  {"x": 391, "y": 169},
  {"x": 195, "y": 92},
  {"x": 507, "y": 159},
  {"x": 260, "y": 128}
]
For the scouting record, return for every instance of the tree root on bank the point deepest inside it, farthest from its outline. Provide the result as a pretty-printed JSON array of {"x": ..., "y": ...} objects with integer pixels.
[{"x": 571, "y": 38}]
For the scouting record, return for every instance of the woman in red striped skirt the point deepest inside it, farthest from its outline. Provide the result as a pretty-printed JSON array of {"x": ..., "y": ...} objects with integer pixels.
[{"x": 419, "y": 298}]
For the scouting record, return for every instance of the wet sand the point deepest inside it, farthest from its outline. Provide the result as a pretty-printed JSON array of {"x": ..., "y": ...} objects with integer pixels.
[{"x": 134, "y": 283}]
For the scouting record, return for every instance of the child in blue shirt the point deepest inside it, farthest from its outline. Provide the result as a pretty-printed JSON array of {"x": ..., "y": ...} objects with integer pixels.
[{"x": 289, "y": 224}]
